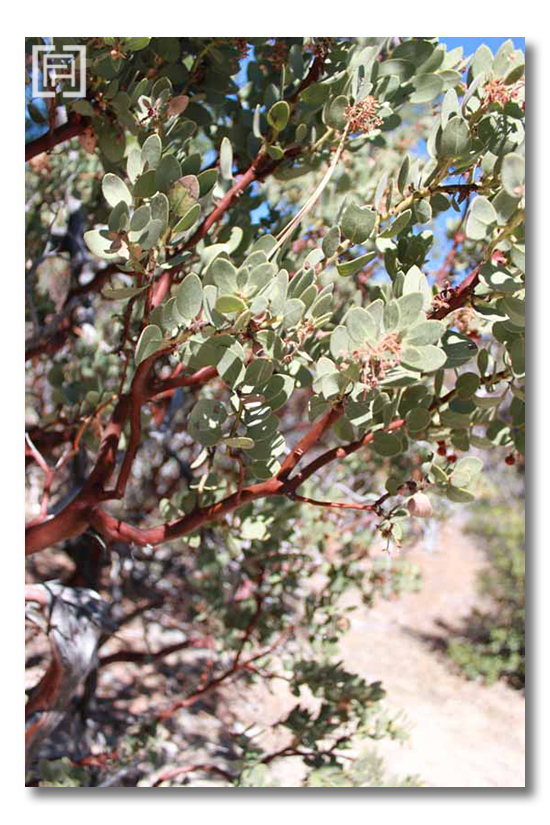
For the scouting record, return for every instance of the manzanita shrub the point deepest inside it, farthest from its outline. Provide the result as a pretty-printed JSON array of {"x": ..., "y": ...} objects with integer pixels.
[{"x": 297, "y": 316}]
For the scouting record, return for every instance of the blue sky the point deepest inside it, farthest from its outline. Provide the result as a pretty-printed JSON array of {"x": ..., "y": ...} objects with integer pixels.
[{"x": 470, "y": 44}]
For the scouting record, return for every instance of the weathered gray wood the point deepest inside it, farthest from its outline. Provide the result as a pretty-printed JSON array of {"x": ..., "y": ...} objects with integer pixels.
[{"x": 74, "y": 620}]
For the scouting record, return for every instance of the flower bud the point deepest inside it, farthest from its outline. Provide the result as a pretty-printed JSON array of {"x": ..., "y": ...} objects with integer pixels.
[{"x": 420, "y": 505}]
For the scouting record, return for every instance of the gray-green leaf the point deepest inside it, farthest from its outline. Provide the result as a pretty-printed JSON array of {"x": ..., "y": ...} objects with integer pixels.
[
  {"x": 513, "y": 174},
  {"x": 258, "y": 372},
  {"x": 455, "y": 139},
  {"x": 482, "y": 214},
  {"x": 386, "y": 444},
  {"x": 151, "y": 151},
  {"x": 205, "y": 422},
  {"x": 189, "y": 297},
  {"x": 278, "y": 115},
  {"x": 115, "y": 190},
  {"x": 226, "y": 159},
  {"x": 148, "y": 343},
  {"x": 357, "y": 223},
  {"x": 360, "y": 325}
]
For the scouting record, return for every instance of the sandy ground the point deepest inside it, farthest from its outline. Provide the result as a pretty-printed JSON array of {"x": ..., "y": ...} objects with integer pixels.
[{"x": 465, "y": 734}]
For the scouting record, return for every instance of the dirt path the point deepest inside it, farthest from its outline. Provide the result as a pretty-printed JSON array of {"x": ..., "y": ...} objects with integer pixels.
[{"x": 463, "y": 734}]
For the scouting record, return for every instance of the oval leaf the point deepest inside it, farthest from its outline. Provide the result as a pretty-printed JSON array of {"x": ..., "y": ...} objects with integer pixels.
[
  {"x": 189, "y": 297},
  {"x": 226, "y": 159},
  {"x": 279, "y": 115},
  {"x": 357, "y": 223},
  {"x": 115, "y": 190},
  {"x": 386, "y": 444},
  {"x": 148, "y": 343},
  {"x": 229, "y": 303},
  {"x": 258, "y": 372}
]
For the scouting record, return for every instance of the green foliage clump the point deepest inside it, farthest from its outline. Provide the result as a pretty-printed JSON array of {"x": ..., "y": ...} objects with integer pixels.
[
  {"x": 62, "y": 773},
  {"x": 493, "y": 646},
  {"x": 368, "y": 770}
]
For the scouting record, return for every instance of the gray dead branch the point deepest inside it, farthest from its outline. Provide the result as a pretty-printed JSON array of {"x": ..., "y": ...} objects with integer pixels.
[{"x": 74, "y": 620}]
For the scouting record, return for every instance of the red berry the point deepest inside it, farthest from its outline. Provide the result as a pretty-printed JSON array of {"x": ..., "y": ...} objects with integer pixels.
[
  {"x": 510, "y": 459},
  {"x": 451, "y": 458},
  {"x": 441, "y": 451}
]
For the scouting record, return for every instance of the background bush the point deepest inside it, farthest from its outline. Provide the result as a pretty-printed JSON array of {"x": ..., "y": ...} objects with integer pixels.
[{"x": 493, "y": 643}]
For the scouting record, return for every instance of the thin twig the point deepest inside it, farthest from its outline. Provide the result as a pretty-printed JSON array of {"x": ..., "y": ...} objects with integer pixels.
[
  {"x": 312, "y": 200},
  {"x": 339, "y": 505}
]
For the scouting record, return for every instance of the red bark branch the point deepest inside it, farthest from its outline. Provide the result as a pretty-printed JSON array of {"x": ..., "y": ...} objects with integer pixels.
[
  {"x": 226, "y": 202},
  {"x": 69, "y": 523},
  {"x": 336, "y": 453},
  {"x": 117, "y": 530},
  {"x": 106, "y": 459},
  {"x": 75, "y": 126},
  {"x": 75, "y": 517},
  {"x": 165, "y": 388},
  {"x": 136, "y": 401},
  {"x": 143, "y": 656},
  {"x": 235, "y": 668},
  {"x": 310, "y": 440}
]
